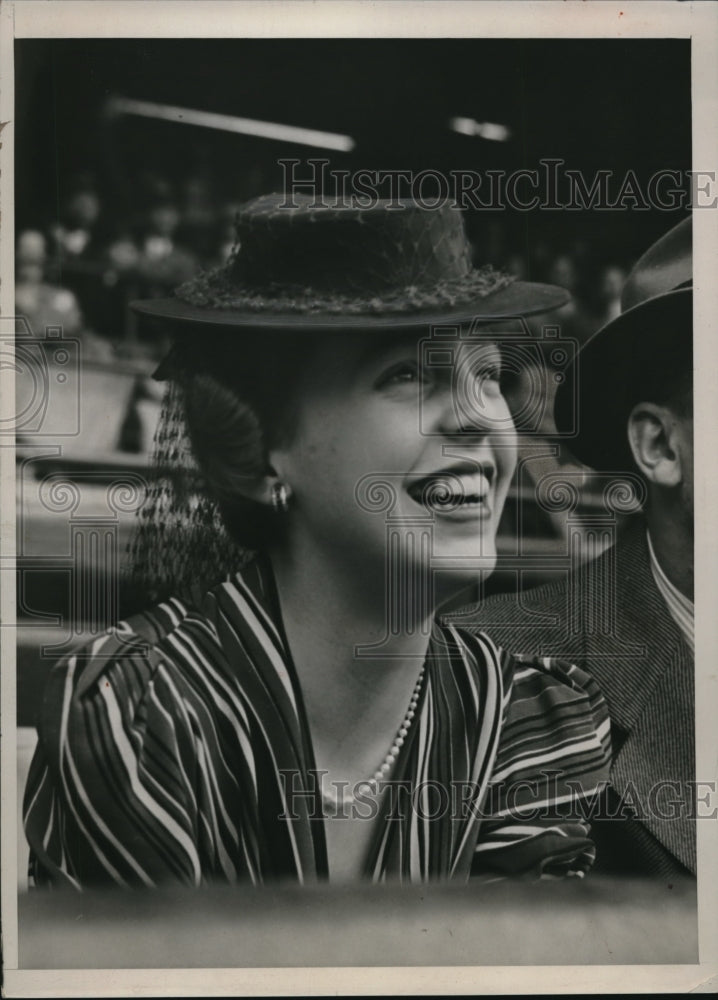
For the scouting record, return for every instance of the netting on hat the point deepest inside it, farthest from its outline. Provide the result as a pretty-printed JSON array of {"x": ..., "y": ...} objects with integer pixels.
[
  {"x": 216, "y": 290},
  {"x": 344, "y": 262},
  {"x": 180, "y": 542}
]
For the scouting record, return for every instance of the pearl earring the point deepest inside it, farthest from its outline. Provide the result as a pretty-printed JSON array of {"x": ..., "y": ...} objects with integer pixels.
[{"x": 280, "y": 498}]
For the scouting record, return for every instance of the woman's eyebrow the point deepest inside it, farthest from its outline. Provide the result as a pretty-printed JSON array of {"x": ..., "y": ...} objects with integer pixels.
[{"x": 379, "y": 347}]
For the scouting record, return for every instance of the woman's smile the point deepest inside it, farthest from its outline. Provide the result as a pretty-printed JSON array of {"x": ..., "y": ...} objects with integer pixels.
[{"x": 459, "y": 493}]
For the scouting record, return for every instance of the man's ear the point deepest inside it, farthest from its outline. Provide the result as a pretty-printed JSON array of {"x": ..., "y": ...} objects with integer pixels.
[{"x": 653, "y": 439}]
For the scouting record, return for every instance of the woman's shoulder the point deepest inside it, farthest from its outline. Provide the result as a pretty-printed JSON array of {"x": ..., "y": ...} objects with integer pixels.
[
  {"x": 556, "y": 698},
  {"x": 129, "y": 653},
  {"x": 546, "y": 700},
  {"x": 111, "y": 794},
  {"x": 555, "y": 743},
  {"x": 528, "y": 673}
]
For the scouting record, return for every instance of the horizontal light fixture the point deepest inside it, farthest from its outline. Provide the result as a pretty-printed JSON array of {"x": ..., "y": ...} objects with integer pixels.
[
  {"x": 485, "y": 130},
  {"x": 230, "y": 123}
]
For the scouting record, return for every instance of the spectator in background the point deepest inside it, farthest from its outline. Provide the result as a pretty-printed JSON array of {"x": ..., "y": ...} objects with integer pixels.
[
  {"x": 572, "y": 318},
  {"x": 40, "y": 303},
  {"x": 122, "y": 253},
  {"x": 73, "y": 235},
  {"x": 46, "y": 305},
  {"x": 116, "y": 283},
  {"x": 610, "y": 283},
  {"x": 199, "y": 217},
  {"x": 76, "y": 252},
  {"x": 152, "y": 187},
  {"x": 163, "y": 263}
]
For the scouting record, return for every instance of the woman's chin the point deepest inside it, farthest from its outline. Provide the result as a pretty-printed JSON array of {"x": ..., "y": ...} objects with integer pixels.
[{"x": 450, "y": 580}]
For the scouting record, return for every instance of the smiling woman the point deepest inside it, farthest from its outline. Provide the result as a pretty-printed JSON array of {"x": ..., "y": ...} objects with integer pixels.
[{"x": 308, "y": 716}]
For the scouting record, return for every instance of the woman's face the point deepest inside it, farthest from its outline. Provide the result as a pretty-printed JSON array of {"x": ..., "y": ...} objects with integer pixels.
[{"x": 408, "y": 437}]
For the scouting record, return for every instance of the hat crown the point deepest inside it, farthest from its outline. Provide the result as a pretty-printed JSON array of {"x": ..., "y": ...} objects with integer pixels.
[
  {"x": 666, "y": 266},
  {"x": 301, "y": 262},
  {"x": 297, "y": 241},
  {"x": 297, "y": 254}
]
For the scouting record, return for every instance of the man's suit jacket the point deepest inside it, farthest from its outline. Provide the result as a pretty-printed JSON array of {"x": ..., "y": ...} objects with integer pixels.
[{"x": 609, "y": 618}]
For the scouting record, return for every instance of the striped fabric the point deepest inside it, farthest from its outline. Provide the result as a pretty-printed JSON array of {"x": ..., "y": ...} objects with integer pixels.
[
  {"x": 680, "y": 606},
  {"x": 176, "y": 748}
]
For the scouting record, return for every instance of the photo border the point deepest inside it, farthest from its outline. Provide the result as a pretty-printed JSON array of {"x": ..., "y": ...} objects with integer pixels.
[{"x": 447, "y": 19}]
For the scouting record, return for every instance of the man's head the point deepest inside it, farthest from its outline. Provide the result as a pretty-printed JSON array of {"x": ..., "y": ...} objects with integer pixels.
[
  {"x": 659, "y": 424},
  {"x": 626, "y": 400},
  {"x": 628, "y": 397}
]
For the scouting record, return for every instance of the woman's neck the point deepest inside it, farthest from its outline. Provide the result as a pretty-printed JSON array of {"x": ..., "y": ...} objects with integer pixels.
[{"x": 357, "y": 672}]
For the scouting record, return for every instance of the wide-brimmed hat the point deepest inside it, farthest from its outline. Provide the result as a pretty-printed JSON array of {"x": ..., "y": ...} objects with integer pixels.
[
  {"x": 300, "y": 263},
  {"x": 646, "y": 345}
]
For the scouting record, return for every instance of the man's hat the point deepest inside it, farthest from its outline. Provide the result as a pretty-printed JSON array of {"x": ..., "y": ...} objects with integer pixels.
[
  {"x": 642, "y": 352},
  {"x": 301, "y": 263}
]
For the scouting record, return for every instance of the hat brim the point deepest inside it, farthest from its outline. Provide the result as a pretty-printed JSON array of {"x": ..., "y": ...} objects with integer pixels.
[
  {"x": 520, "y": 298},
  {"x": 602, "y": 383}
]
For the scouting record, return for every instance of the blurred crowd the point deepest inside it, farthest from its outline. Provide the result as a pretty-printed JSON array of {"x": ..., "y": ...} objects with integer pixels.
[
  {"x": 595, "y": 284},
  {"x": 81, "y": 269}
]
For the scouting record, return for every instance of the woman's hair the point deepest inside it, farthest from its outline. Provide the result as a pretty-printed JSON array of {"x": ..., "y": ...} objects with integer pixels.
[
  {"x": 229, "y": 399},
  {"x": 240, "y": 400}
]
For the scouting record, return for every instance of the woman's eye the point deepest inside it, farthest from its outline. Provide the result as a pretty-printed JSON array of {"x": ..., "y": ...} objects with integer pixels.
[
  {"x": 406, "y": 373},
  {"x": 490, "y": 373}
]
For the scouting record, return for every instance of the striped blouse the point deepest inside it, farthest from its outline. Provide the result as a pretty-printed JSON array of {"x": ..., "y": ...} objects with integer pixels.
[{"x": 175, "y": 748}]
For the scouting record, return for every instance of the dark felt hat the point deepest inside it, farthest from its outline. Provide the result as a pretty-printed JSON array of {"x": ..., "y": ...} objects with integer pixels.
[
  {"x": 640, "y": 352},
  {"x": 299, "y": 264}
]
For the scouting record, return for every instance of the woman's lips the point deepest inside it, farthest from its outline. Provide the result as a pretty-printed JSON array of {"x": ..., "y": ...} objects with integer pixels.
[{"x": 459, "y": 496}]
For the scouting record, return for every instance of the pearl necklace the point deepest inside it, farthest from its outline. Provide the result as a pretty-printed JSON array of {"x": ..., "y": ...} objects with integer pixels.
[{"x": 331, "y": 797}]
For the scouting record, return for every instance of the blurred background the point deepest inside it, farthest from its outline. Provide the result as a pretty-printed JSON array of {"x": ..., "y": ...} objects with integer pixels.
[
  {"x": 111, "y": 204},
  {"x": 117, "y": 200}
]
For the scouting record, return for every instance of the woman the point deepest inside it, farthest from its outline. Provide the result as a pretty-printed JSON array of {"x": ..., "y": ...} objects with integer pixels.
[{"x": 308, "y": 717}]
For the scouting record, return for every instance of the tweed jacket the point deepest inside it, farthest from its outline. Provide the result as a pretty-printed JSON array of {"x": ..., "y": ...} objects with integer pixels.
[{"x": 609, "y": 618}]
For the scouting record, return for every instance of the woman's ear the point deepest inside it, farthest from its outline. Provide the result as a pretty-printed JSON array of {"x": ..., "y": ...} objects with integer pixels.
[
  {"x": 654, "y": 440},
  {"x": 265, "y": 489},
  {"x": 228, "y": 443}
]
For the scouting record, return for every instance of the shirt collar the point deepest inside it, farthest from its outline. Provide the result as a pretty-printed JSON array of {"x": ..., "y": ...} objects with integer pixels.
[{"x": 679, "y": 606}]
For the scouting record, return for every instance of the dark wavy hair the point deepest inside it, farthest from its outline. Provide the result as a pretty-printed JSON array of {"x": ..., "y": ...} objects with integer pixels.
[{"x": 240, "y": 400}]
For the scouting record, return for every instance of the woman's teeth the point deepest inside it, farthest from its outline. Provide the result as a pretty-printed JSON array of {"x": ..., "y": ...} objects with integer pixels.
[{"x": 444, "y": 493}]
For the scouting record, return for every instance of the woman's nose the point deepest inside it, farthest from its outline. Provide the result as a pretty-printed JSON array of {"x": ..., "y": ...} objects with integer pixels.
[{"x": 467, "y": 408}]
